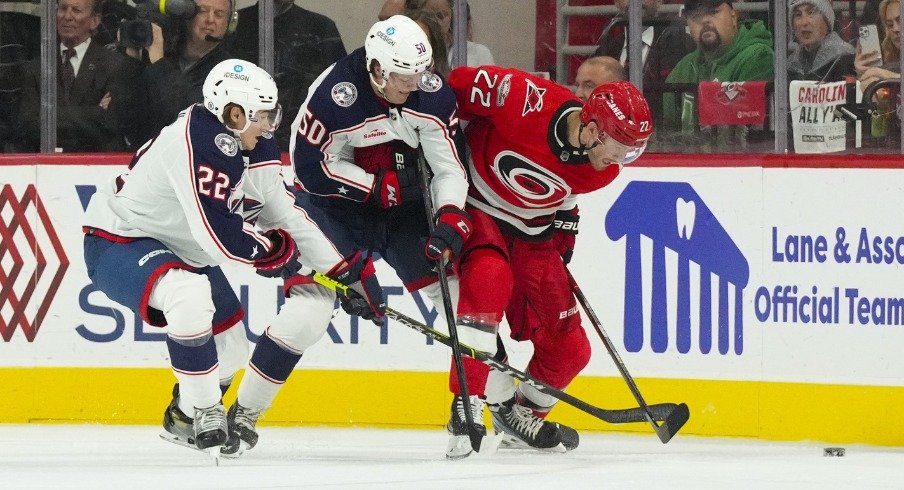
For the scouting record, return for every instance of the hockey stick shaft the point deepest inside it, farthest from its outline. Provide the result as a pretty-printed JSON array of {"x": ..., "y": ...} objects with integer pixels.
[
  {"x": 674, "y": 421},
  {"x": 449, "y": 310},
  {"x": 613, "y": 416}
]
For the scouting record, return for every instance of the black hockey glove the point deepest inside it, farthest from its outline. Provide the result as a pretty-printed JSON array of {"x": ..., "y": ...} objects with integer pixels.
[
  {"x": 365, "y": 298},
  {"x": 393, "y": 187},
  {"x": 281, "y": 259},
  {"x": 453, "y": 227},
  {"x": 565, "y": 232}
]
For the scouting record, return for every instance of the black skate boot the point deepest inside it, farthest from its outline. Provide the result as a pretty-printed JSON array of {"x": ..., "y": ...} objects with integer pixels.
[
  {"x": 207, "y": 429},
  {"x": 242, "y": 431},
  {"x": 459, "y": 438},
  {"x": 210, "y": 427},
  {"x": 521, "y": 427},
  {"x": 178, "y": 427}
]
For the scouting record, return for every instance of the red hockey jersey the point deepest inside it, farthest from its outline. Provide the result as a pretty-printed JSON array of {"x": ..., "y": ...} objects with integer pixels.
[{"x": 522, "y": 167}]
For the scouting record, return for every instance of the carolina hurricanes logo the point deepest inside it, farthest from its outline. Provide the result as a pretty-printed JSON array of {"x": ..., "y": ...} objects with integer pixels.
[
  {"x": 533, "y": 99},
  {"x": 731, "y": 91},
  {"x": 533, "y": 185}
]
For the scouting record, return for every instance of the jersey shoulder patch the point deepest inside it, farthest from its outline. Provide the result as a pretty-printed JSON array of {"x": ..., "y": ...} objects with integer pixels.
[
  {"x": 344, "y": 94},
  {"x": 227, "y": 144},
  {"x": 430, "y": 82}
]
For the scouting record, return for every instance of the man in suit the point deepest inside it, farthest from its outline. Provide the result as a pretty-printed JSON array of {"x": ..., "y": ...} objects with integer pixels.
[
  {"x": 85, "y": 75},
  {"x": 664, "y": 44},
  {"x": 304, "y": 43}
]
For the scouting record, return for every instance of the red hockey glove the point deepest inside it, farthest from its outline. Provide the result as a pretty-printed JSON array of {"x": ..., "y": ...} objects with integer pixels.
[
  {"x": 393, "y": 187},
  {"x": 281, "y": 259},
  {"x": 365, "y": 297},
  {"x": 565, "y": 232},
  {"x": 453, "y": 227}
]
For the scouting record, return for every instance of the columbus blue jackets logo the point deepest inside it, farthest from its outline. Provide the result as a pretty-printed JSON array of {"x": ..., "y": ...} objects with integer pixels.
[
  {"x": 227, "y": 144},
  {"x": 430, "y": 82},
  {"x": 344, "y": 93}
]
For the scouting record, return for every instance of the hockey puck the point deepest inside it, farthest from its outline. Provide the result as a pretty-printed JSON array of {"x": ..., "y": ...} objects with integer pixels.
[{"x": 833, "y": 451}]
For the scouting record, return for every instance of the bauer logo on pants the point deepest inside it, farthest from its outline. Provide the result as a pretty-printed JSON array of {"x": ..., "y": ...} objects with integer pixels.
[
  {"x": 32, "y": 262},
  {"x": 661, "y": 221}
]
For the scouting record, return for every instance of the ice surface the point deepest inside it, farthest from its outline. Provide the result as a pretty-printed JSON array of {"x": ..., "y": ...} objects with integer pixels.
[{"x": 129, "y": 457}]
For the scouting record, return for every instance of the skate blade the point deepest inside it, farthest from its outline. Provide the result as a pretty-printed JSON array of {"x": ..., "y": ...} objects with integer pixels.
[
  {"x": 179, "y": 441},
  {"x": 460, "y": 447},
  {"x": 213, "y": 452},
  {"x": 243, "y": 446},
  {"x": 512, "y": 442}
]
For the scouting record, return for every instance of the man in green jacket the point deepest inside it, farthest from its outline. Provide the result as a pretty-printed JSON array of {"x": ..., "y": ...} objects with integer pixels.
[{"x": 727, "y": 50}]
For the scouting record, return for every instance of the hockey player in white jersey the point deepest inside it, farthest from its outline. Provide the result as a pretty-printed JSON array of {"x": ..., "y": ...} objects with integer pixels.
[
  {"x": 353, "y": 151},
  {"x": 155, "y": 239}
]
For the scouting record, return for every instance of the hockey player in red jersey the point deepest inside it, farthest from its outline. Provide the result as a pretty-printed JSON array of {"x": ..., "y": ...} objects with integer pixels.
[{"x": 534, "y": 149}]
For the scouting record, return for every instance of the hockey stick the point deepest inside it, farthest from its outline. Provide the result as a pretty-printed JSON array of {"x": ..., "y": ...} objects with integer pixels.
[
  {"x": 617, "y": 416},
  {"x": 676, "y": 418},
  {"x": 473, "y": 435}
]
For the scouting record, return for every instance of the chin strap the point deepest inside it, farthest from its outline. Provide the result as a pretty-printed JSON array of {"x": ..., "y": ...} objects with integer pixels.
[
  {"x": 581, "y": 146},
  {"x": 380, "y": 86}
]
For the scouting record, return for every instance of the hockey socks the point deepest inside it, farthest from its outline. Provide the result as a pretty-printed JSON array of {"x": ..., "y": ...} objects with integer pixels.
[
  {"x": 270, "y": 366},
  {"x": 194, "y": 363}
]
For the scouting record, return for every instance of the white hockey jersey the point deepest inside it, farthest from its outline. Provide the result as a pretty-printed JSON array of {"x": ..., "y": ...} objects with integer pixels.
[{"x": 189, "y": 187}]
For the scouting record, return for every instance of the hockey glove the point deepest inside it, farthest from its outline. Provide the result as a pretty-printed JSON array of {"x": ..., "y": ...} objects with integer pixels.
[
  {"x": 453, "y": 227},
  {"x": 565, "y": 231},
  {"x": 281, "y": 259},
  {"x": 393, "y": 187},
  {"x": 365, "y": 298}
]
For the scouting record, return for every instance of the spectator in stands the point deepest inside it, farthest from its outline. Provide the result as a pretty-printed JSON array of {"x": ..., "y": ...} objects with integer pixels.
[
  {"x": 20, "y": 42},
  {"x": 819, "y": 53},
  {"x": 432, "y": 26},
  {"x": 664, "y": 45},
  {"x": 595, "y": 71},
  {"x": 85, "y": 77},
  {"x": 727, "y": 50},
  {"x": 390, "y": 8},
  {"x": 166, "y": 77},
  {"x": 304, "y": 44},
  {"x": 478, "y": 54},
  {"x": 889, "y": 14}
]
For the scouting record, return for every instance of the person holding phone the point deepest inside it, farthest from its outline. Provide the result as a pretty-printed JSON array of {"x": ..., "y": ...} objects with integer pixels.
[
  {"x": 819, "y": 54},
  {"x": 873, "y": 65}
]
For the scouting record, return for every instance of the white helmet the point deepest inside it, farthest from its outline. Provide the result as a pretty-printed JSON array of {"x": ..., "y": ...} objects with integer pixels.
[
  {"x": 245, "y": 84},
  {"x": 400, "y": 46}
]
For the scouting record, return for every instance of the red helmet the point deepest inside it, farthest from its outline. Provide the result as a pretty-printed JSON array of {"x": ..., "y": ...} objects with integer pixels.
[{"x": 621, "y": 111}]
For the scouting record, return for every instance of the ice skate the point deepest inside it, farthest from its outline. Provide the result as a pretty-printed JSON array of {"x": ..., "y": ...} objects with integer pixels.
[
  {"x": 521, "y": 427},
  {"x": 459, "y": 440},
  {"x": 210, "y": 427},
  {"x": 206, "y": 430},
  {"x": 242, "y": 430},
  {"x": 178, "y": 427}
]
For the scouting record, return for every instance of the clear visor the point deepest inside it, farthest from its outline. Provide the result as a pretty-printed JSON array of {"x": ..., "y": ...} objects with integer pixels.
[
  {"x": 405, "y": 82},
  {"x": 618, "y": 152},
  {"x": 633, "y": 153},
  {"x": 269, "y": 120}
]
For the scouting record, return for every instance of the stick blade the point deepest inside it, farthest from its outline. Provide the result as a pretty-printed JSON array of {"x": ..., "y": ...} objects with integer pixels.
[{"x": 673, "y": 422}]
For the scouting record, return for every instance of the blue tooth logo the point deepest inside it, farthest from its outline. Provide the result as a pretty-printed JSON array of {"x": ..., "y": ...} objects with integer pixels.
[{"x": 674, "y": 217}]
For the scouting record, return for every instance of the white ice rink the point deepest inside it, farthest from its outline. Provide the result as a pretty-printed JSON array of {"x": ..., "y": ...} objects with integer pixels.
[{"x": 128, "y": 457}]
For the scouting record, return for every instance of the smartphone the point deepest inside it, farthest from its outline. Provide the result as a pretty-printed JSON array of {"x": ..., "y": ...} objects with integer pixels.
[{"x": 869, "y": 41}]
